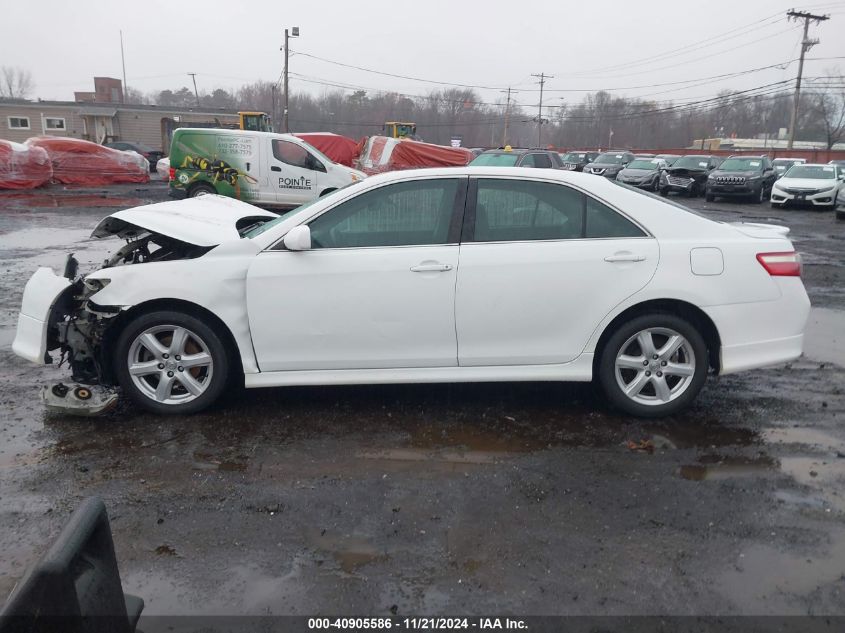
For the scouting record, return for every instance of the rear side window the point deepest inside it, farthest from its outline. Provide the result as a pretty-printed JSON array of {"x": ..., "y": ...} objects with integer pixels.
[
  {"x": 602, "y": 221},
  {"x": 542, "y": 160},
  {"x": 517, "y": 210},
  {"x": 403, "y": 214},
  {"x": 528, "y": 161}
]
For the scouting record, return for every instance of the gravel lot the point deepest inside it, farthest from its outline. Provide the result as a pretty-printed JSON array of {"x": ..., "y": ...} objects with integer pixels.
[{"x": 442, "y": 499}]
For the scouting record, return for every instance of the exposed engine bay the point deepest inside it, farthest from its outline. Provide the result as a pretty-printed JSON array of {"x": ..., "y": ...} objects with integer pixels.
[{"x": 78, "y": 326}]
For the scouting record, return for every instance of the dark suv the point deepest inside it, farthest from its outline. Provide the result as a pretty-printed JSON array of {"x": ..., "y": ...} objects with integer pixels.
[
  {"x": 688, "y": 175},
  {"x": 576, "y": 161},
  {"x": 541, "y": 158},
  {"x": 742, "y": 177},
  {"x": 609, "y": 164}
]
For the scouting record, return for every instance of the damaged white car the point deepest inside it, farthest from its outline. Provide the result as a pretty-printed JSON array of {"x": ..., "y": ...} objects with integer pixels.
[{"x": 441, "y": 275}]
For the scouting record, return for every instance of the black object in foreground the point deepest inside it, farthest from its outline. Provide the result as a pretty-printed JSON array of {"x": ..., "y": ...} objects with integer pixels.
[{"x": 76, "y": 586}]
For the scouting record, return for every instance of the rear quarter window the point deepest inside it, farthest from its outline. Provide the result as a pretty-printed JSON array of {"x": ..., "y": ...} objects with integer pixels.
[{"x": 604, "y": 222}]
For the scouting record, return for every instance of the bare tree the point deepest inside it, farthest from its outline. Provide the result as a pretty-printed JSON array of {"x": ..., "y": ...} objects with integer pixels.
[
  {"x": 829, "y": 109},
  {"x": 15, "y": 83}
]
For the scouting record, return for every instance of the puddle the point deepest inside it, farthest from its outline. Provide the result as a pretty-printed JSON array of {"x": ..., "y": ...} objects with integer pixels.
[
  {"x": 48, "y": 200},
  {"x": 350, "y": 552},
  {"x": 801, "y": 435},
  {"x": 824, "y": 339},
  {"x": 717, "y": 467},
  {"x": 762, "y": 575},
  {"x": 206, "y": 461}
]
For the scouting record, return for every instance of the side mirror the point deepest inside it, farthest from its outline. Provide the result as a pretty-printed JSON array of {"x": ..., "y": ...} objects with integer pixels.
[{"x": 298, "y": 238}]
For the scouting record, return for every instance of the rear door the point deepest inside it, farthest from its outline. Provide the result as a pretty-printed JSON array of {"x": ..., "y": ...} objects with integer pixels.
[{"x": 541, "y": 264}]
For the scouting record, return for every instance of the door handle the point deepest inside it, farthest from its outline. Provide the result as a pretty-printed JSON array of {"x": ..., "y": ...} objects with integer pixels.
[
  {"x": 624, "y": 257},
  {"x": 275, "y": 168},
  {"x": 431, "y": 268}
]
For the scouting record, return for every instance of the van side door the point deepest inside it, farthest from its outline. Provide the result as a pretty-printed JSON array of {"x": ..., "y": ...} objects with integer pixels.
[{"x": 292, "y": 175}]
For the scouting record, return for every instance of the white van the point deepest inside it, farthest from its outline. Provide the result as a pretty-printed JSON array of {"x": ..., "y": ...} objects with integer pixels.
[{"x": 274, "y": 170}]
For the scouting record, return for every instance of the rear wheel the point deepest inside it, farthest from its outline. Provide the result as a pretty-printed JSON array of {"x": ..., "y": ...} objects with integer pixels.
[
  {"x": 653, "y": 365},
  {"x": 171, "y": 362}
]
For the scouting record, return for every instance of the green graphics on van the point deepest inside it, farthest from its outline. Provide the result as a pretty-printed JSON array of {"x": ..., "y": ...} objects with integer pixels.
[{"x": 204, "y": 159}]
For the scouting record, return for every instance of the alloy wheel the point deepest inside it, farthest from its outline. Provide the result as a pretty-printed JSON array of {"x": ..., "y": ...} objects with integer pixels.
[
  {"x": 655, "y": 366},
  {"x": 170, "y": 364}
]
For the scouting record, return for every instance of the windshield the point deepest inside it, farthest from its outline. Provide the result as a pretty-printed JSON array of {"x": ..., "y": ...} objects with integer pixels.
[
  {"x": 611, "y": 158},
  {"x": 645, "y": 163},
  {"x": 574, "y": 157},
  {"x": 742, "y": 164},
  {"x": 816, "y": 172},
  {"x": 692, "y": 162},
  {"x": 255, "y": 231},
  {"x": 495, "y": 160}
]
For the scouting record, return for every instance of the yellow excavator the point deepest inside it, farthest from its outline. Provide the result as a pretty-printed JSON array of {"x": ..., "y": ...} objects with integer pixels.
[
  {"x": 399, "y": 129},
  {"x": 255, "y": 121}
]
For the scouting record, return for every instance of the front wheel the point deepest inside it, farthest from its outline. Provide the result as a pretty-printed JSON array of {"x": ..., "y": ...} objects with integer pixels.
[
  {"x": 171, "y": 362},
  {"x": 709, "y": 197},
  {"x": 653, "y": 365},
  {"x": 664, "y": 192},
  {"x": 201, "y": 189}
]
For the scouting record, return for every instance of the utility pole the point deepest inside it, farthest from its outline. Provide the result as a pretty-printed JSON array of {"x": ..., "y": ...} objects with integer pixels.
[
  {"x": 294, "y": 32},
  {"x": 273, "y": 110},
  {"x": 196, "y": 93},
  {"x": 123, "y": 63},
  {"x": 507, "y": 116},
  {"x": 806, "y": 44},
  {"x": 542, "y": 77}
]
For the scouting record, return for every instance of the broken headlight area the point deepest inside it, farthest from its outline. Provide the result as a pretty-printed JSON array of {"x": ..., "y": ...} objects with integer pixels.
[{"x": 80, "y": 327}]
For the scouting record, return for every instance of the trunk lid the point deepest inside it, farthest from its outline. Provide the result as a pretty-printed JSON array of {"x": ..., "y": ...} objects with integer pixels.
[
  {"x": 203, "y": 221},
  {"x": 761, "y": 231}
]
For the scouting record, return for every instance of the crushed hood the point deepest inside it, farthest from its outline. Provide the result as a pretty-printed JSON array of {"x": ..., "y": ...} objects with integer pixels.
[{"x": 203, "y": 221}]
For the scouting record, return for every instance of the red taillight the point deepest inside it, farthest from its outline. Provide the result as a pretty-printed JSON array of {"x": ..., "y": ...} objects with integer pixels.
[
  {"x": 781, "y": 264},
  {"x": 172, "y": 174}
]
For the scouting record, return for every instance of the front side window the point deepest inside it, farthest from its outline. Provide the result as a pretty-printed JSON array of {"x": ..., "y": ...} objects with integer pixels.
[
  {"x": 516, "y": 210},
  {"x": 290, "y": 153},
  {"x": 404, "y": 214},
  {"x": 18, "y": 122}
]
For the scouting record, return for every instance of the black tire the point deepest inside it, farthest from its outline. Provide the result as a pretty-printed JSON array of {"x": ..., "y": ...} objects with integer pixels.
[
  {"x": 200, "y": 189},
  {"x": 216, "y": 374},
  {"x": 664, "y": 192},
  {"x": 655, "y": 187},
  {"x": 840, "y": 214},
  {"x": 619, "y": 342},
  {"x": 759, "y": 196},
  {"x": 709, "y": 197}
]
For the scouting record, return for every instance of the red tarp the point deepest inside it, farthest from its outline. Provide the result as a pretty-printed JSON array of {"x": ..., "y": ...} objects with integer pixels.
[
  {"x": 413, "y": 154},
  {"x": 381, "y": 154},
  {"x": 340, "y": 149},
  {"x": 78, "y": 162},
  {"x": 22, "y": 166}
]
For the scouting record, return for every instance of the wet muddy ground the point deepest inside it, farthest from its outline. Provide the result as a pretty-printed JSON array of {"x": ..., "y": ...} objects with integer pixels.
[{"x": 443, "y": 499}]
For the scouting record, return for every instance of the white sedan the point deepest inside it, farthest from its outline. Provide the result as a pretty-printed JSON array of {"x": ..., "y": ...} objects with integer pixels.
[
  {"x": 820, "y": 186},
  {"x": 440, "y": 275}
]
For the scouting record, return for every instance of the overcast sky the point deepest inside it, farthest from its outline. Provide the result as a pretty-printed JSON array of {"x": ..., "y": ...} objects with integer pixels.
[{"x": 585, "y": 45}]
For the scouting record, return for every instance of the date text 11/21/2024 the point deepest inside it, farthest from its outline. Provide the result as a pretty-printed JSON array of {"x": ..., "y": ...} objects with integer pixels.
[{"x": 422, "y": 623}]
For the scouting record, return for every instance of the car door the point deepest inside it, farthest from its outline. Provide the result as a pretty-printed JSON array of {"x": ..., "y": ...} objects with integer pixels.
[
  {"x": 541, "y": 265},
  {"x": 292, "y": 173},
  {"x": 376, "y": 290}
]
